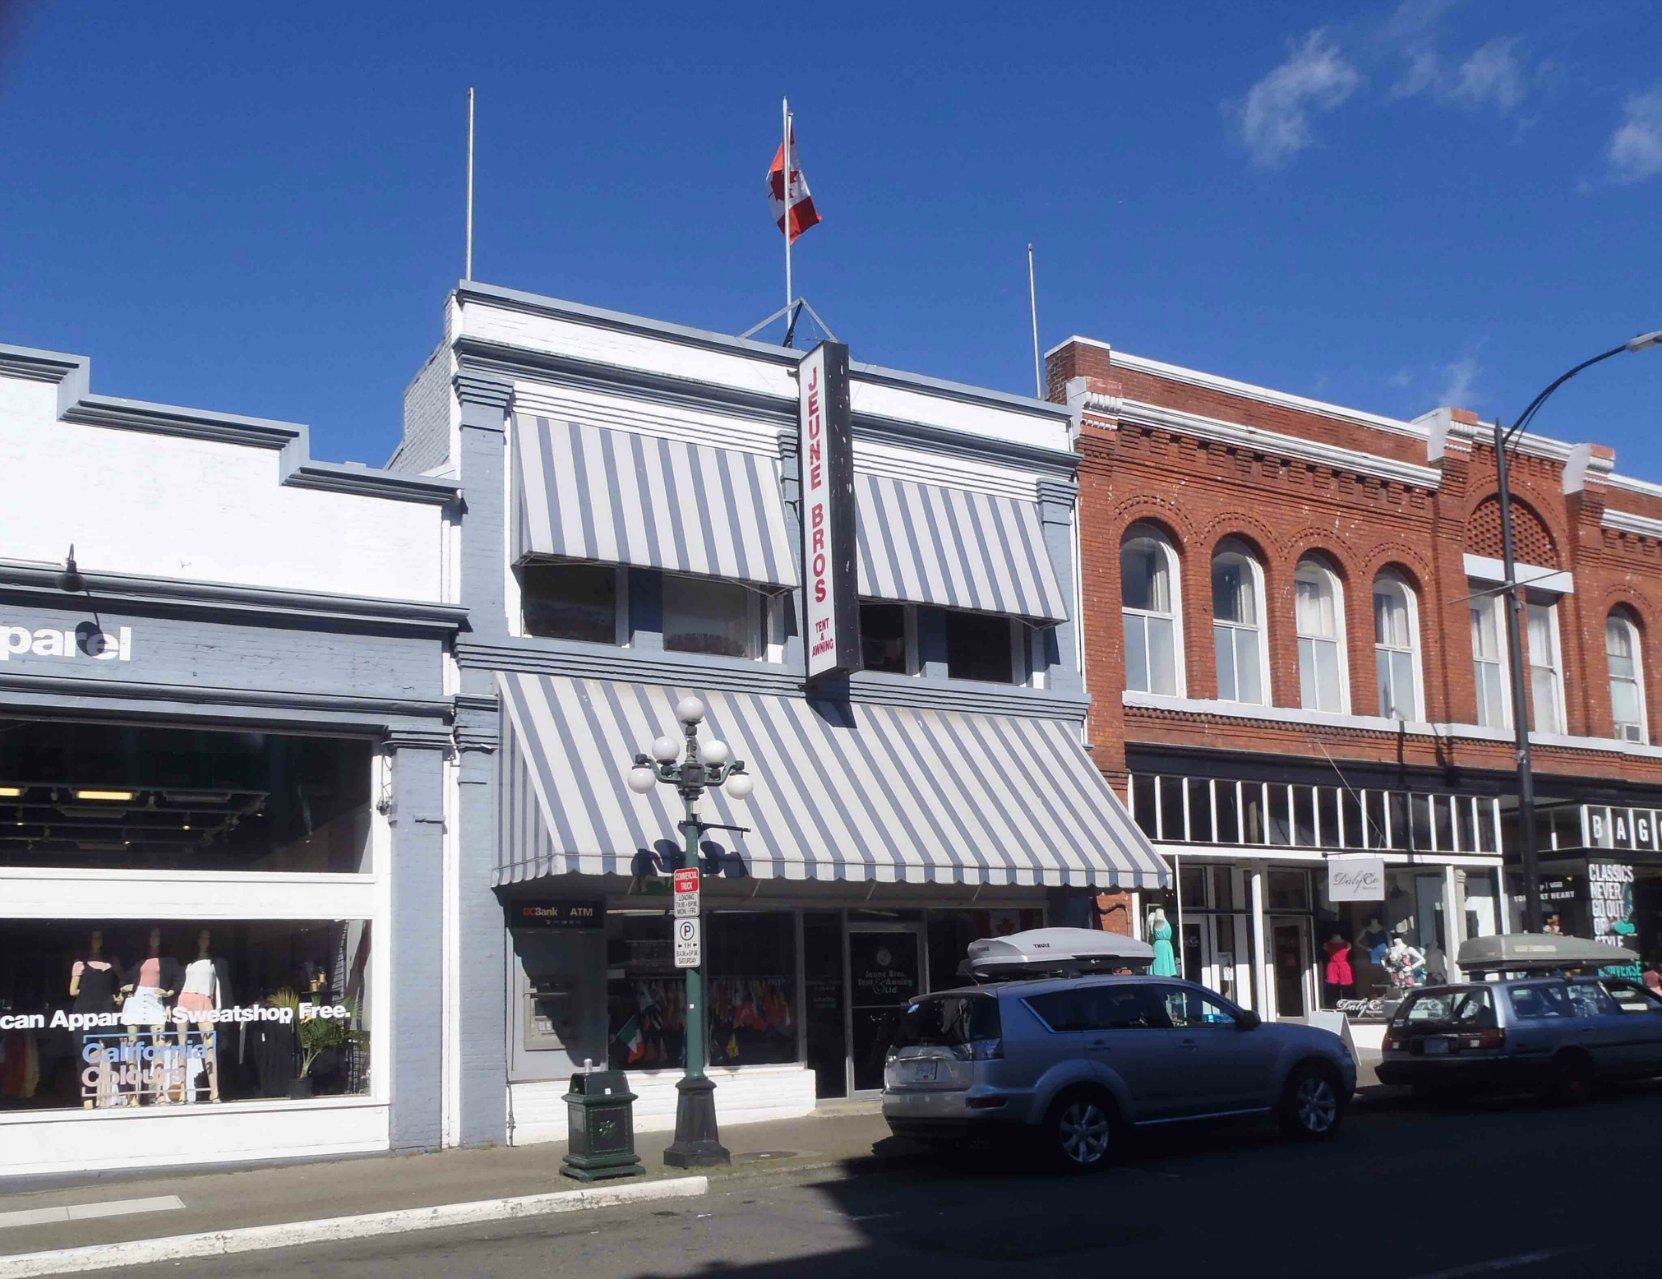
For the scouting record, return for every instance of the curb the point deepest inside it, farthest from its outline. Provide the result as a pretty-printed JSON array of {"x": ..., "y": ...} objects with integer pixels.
[{"x": 221, "y": 1243}]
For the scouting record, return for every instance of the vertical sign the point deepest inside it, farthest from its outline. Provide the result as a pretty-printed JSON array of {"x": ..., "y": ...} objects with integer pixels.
[
  {"x": 831, "y": 614},
  {"x": 689, "y": 943}
]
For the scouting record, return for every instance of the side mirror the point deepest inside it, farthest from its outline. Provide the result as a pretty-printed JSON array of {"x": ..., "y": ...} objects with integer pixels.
[{"x": 1249, "y": 1020}]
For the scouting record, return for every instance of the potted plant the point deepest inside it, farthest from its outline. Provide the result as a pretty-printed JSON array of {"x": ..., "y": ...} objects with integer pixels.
[{"x": 324, "y": 1042}]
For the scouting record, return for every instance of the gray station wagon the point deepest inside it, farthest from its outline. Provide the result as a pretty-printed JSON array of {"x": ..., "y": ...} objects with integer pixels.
[{"x": 1075, "y": 1061}]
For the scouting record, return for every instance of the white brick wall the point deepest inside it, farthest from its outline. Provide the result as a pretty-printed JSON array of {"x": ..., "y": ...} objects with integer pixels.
[{"x": 750, "y": 1095}]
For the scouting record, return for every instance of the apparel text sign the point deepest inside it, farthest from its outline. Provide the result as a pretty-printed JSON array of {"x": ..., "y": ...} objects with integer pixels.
[
  {"x": 830, "y": 586},
  {"x": 689, "y": 943},
  {"x": 1356, "y": 879},
  {"x": 686, "y": 894},
  {"x": 86, "y": 640}
]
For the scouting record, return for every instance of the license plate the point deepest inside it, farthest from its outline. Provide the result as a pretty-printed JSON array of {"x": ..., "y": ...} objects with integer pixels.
[
  {"x": 1436, "y": 1048},
  {"x": 921, "y": 1072}
]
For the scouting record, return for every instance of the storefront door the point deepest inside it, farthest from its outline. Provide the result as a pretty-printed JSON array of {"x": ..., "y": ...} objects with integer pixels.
[
  {"x": 1290, "y": 951},
  {"x": 826, "y": 1010},
  {"x": 885, "y": 968}
]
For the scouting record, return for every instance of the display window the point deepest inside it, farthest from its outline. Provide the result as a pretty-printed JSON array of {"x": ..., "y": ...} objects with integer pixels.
[
  {"x": 120, "y": 797},
  {"x": 132, "y": 1014}
]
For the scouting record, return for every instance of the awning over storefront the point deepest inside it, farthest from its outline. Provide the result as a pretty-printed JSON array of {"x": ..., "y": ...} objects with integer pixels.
[
  {"x": 619, "y": 497},
  {"x": 933, "y": 545},
  {"x": 843, "y": 791}
]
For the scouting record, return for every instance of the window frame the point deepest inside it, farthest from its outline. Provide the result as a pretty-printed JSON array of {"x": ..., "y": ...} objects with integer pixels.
[
  {"x": 1309, "y": 567},
  {"x": 1492, "y": 604},
  {"x": 1021, "y": 654},
  {"x": 1391, "y": 579},
  {"x": 1556, "y": 667},
  {"x": 1230, "y": 548},
  {"x": 1174, "y": 593},
  {"x": 759, "y": 611},
  {"x": 620, "y": 595},
  {"x": 1621, "y": 618},
  {"x": 909, "y": 612}
]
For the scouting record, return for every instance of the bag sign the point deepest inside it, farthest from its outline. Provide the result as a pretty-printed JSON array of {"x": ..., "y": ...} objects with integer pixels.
[
  {"x": 686, "y": 894},
  {"x": 1356, "y": 879},
  {"x": 689, "y": 943}
]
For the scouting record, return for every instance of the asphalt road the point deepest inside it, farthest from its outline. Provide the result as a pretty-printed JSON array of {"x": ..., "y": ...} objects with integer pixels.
[{"x": 1518, "y": 1191}]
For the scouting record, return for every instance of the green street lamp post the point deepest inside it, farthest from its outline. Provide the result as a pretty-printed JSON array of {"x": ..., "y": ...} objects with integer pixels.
[
  {"x": 1504, "y": 440},
  {"x": 692, "y": 769}
]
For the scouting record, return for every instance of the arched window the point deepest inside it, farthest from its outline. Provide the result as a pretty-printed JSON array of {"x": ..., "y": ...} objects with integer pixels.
[
  {"x": 1318, "y": 607},
  {"x": 1149, "y": 607},
  {"x": 1396, "y": 646},
  {"x": 1627, "y": 693},
  {"x": 1238, "y": 625}
]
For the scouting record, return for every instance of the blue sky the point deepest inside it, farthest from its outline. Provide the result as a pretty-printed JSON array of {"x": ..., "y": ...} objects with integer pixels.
[{"x": 259, "y": 208}]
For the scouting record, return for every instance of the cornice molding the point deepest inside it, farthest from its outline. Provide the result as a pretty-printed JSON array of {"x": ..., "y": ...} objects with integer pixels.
[
  {"x": 39, "y": 585},
  {"x": 1627, "y": 522},
  {"x": 205, "y": 699},
  {"x": 1276, "y": 443}
]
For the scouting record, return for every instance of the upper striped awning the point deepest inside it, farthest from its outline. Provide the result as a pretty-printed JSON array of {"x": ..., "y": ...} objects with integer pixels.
[
  {"x": 957, "y": 549},
  {"x": 843, "y": 791},
  {"x": 618, "y": 497}
]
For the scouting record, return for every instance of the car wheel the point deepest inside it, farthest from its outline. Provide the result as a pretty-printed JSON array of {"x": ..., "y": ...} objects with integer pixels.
[
  {"x": 1571, "y": 1082},
  {"x": 1079, "y": 1132},
  {"x": 1311, "y": 1106}
]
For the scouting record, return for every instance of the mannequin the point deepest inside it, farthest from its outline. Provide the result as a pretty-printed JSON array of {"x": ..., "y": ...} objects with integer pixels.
[
  {"x": 1375, "y": 939},
  {"x": 92, "y": 985},
  {"x": 1405, "y": 964},
  {"x": 206, "y": 987},
  {"x": 145, "y": 1007},
  {"x": 1165, "y": 958},
  {"x": 1340, "y": 976}
]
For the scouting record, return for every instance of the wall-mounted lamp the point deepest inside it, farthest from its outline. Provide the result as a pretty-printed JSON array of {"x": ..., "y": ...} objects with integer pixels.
[{"x": 70, "y": 579}]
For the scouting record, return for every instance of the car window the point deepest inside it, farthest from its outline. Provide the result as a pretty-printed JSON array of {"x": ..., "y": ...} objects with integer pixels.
[
  {"x": 1533, "y": 1003},
  {"x": 1187, "y": 1007},
  {"x": 1591, "y": 999},
  {"x": 1630, "y": 996},
  {"x": 949, "y": 1021},
  {"x": 1448, "y": 1008},
  {"x": 1122, "y": 1008},
  {"x": 1059, "y": 1010}
]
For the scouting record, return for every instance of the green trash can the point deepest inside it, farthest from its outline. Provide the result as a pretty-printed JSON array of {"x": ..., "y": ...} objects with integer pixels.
[{"x": 600, "y": 1114}]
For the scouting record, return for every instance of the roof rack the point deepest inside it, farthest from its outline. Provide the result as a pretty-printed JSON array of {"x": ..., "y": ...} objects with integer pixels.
[
  {"x": 1539, "y": 952},
  {"x": 1054, "y": 952}
]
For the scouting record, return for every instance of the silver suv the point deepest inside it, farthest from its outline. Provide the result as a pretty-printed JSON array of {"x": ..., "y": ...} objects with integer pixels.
[{"x": 1074, "y": 1061}]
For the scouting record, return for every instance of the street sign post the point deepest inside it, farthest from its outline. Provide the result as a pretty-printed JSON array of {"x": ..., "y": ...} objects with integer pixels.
[
  {"x": 686, "y": 894},
  {"x": 689, "y": 943}
]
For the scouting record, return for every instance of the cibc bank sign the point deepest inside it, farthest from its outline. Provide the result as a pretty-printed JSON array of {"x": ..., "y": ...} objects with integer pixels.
[{"x": 831, "y": 615}]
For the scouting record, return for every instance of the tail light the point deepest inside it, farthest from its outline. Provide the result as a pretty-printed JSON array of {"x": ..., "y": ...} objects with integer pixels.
[
  {"x": 1391, "y": 1041},
  {"x": 1490, "y": 1037}
]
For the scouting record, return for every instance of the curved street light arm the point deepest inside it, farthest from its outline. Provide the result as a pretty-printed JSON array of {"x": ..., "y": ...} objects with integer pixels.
[{"x": 1534, "y": 405}]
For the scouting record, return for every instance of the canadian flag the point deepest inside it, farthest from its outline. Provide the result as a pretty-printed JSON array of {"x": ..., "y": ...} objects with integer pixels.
[{"x": 798, "y": 205}]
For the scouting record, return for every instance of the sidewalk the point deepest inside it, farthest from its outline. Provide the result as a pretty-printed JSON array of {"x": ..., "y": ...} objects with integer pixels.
[
  {"x": 105, "y": 1210},
  {"x": 218, "y": 1199}
]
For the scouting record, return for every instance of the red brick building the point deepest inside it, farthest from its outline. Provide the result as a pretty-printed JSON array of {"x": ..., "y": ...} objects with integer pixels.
[{"x": 1298, "y": 662}]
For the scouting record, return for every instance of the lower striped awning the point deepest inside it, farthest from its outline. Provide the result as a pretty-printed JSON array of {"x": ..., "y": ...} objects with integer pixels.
[{"x": 843, "y": 791}]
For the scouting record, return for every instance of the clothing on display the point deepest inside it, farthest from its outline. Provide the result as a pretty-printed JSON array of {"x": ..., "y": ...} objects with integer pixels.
[
  {"x": 1339, "y": 971},
  {"x": 1165, "y": 958}
]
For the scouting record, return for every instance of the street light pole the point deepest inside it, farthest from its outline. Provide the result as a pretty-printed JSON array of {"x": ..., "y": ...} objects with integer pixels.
[
  {"x": 691, "y": 771},
  {"x": 1504, "y": 440}
]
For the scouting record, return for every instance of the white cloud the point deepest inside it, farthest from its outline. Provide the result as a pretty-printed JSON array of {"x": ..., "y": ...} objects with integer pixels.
[
  {"x": 1636, "y": 147},
  {"x": 1492, "y": 75},
  {"x": 1402, "y": 379},
  {"x": 1460, "y": 383},
  {"x": 1275, "y": 114}
]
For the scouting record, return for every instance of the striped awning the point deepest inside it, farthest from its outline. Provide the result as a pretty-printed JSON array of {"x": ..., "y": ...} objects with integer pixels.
[
  {"x": 619, "y": 497},
  {"x": 954, "y": 548},
  {"x": 857, "y": 792}
]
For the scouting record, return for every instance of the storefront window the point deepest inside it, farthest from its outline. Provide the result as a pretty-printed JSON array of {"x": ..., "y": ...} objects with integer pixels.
[
  {"x": 704, "y": 615},
  {"x": 751, "y": 962},
  {"x": 126, "y": 1015},
  {"x": 1289, "y": 890},
  {"x": 571, "y": 601},
  {"x": 106, "y": 796}
]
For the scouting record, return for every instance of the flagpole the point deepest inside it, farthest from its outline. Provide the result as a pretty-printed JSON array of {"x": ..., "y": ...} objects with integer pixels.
[
  {"x": 469, "y": 274},
  {"x": 1033, "y": 304},
  {"x": 790, "y": 295}
]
